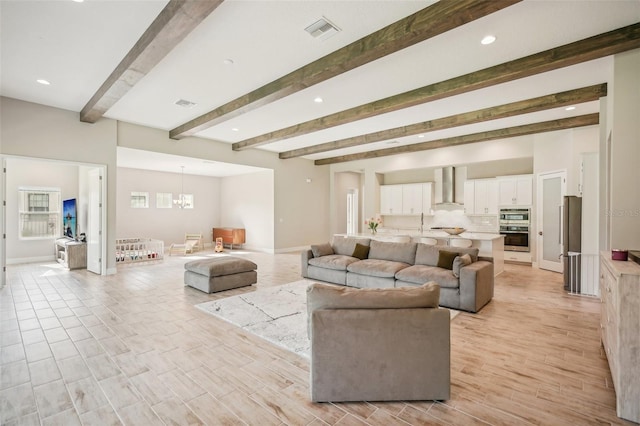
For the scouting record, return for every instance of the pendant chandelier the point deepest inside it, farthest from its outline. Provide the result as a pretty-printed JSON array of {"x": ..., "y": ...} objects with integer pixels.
[{"x": 181, "y": 202}]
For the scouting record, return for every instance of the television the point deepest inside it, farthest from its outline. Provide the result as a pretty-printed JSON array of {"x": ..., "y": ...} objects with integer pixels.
[{"x": 69, "y": 218}]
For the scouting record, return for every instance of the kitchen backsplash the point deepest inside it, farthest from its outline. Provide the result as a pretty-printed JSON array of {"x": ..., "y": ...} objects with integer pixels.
[
  {"x": 484, "y": 223},
  {"x": 441, "y": 219}
]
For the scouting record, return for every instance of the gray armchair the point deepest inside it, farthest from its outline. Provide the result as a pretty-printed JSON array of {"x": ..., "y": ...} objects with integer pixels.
[{"x": 372, "y": 344}]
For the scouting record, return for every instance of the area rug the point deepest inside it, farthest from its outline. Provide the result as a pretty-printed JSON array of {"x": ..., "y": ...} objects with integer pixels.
[{"x": 276, "y": 314}]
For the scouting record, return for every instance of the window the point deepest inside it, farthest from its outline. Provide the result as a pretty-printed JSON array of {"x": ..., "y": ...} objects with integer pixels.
[
  {"x": 39, "y": 212},
  {"x": 164, "y": 200},
  {"x": 139, "y": 200}
]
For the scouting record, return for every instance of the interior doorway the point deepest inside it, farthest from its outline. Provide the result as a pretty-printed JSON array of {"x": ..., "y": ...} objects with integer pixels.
[
  {"x": 89, "y": 186},
  {"x": 352, "y": 211},
  {"x": 551, "y": 190}
]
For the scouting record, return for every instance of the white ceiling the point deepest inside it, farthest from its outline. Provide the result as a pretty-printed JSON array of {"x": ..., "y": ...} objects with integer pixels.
[{"x": 76, "y": 46}]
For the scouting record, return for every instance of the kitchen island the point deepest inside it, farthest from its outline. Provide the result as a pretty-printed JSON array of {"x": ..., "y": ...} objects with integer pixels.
[{"x": 488, "y": 244}]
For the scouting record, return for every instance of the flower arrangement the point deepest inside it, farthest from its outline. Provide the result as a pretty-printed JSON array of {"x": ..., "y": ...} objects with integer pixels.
[{"x": 373, "y": 224}]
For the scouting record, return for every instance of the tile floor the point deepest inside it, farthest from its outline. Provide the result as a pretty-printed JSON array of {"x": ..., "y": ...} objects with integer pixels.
[{"x": 130, "y": 348}]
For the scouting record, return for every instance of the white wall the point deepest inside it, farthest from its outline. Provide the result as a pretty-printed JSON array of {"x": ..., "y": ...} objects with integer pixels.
[
  {"x": 486, "y": 169},
  {"x": 623, "y": 215},
  {"x": 246, "y": 201},
  {"x": 300, "y": 209},
  {"x": 37, "y": 131},
  {"x": 168, "y": 225},
  {"x": 32, "y": 130},
  {"x": 35, "y": 173},
  {"x": 471, "y": 155}
]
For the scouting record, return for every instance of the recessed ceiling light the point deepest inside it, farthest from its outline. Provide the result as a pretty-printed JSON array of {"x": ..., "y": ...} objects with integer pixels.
[
  {"x": 488, "y": 39},
  {"x": 43, "y": 81},
  {"x": 78, "y": 1},
  {"x": 318, "y": 100},
  {"x": 570, "y": 108},
  {"x": 235, "y": 129},
  {"x": 391, "y": 142},
  {"x": 228, "y": 62},
  {"x": 421, "y": 136}
]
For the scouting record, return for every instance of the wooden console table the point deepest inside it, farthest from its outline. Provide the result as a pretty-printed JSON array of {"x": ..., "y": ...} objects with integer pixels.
[
  {"x": 619, "y": 321},
  {"x": 230, "y": 236}
]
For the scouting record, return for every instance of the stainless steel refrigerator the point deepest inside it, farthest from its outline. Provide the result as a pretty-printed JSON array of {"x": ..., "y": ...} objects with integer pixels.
[{"x": 571, "y": 242}]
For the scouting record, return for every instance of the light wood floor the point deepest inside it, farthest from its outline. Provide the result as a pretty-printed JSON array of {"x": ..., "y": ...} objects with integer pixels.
[{"x": 130, "y": 348}]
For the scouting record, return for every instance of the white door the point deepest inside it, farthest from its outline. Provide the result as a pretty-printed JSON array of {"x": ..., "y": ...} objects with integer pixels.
[
  {"x": 551, "y": 190},
  {"x": 94, "y": 222},
  {"x": 352, "y": 211}
]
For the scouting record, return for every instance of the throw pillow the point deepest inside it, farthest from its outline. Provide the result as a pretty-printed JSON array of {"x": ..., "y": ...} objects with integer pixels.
[
  {"x": 321, "y": 250},
  {"x": 459, "y": 262},
  {"x": 361, "y": 251},
  {"x": 445, "y": 259}
]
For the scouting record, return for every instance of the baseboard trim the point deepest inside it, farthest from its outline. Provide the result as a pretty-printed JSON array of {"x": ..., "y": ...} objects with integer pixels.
[
  {"x": 292, "y": 249},
  {"x": 19, "y": 260}
]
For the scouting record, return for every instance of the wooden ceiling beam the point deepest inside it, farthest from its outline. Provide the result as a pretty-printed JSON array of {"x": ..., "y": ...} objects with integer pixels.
[
  {"x": 510, "y": 132},
  {"x": 556, "y": 100},
  {"x": 610, "y": 43},
  {"x": 171, "y": 26},
  {"x": 431, "y": 21}
]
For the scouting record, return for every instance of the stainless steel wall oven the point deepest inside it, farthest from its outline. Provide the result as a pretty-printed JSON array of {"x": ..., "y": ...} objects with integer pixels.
[{"x": 515, "y": 226}]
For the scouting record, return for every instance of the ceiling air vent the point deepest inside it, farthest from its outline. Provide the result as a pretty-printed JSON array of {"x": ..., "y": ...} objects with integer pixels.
[
  {"x": 322, "y": 29},
  {"x": 185, "y": 103}
]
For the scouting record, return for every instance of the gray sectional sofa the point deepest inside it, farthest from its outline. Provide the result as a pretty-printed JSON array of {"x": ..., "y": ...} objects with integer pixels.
[{"x": 466, "y": 281}]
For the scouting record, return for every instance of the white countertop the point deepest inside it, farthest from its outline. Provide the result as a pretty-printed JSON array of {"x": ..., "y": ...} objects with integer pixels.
[
  {"x": 481, "y": 236},
  {"x": 478, "y": 236}
]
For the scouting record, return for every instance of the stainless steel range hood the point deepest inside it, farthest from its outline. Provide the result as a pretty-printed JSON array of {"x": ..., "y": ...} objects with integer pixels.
[{"x": 449, "y": 187}]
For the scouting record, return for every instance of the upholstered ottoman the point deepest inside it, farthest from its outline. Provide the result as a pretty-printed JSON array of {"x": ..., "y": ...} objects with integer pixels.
[{"x": 220, "y": 273}]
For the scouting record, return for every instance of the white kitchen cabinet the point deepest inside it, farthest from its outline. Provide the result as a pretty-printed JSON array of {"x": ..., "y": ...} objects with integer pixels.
[
  {"x": 469, "y": 197},
  {"x": 481, "y": 196},
  {"x": 406, "y": 199},
  {"x": 390, "y": 199},
  {"x": 486, "y": 196},
  {"x": 515, "y": 190},
  {"x": 412, "y": 198},
  {"x": 427, "y": 197}
]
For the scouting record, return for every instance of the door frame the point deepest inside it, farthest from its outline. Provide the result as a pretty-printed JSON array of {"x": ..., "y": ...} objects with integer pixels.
[
  {"x": 95, "y": 253},
  {"x": 353, "y": 214},
  {"x": 3, "y": 223},
  {"x": 539, "y": 216}
]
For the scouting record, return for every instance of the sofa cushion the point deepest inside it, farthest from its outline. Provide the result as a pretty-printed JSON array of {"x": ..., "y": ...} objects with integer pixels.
[
  {"x": 326, "y": 296},
  {"x": 460, "y": 262},
  {"x": 428, "y": 255},
  {"x": 397, "y": 252},
  {"x": 321, "y": 249},
  {"x": 445, "y": 259},
  {"x": 419, "y": 274},
  {"x": 377, "y": 268},
  {"x": 346, "y": 246},
  {"x": 361, "y": 251},
  {"x": 220, "y": 266},
  {"x": 333, "y": 261}
]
